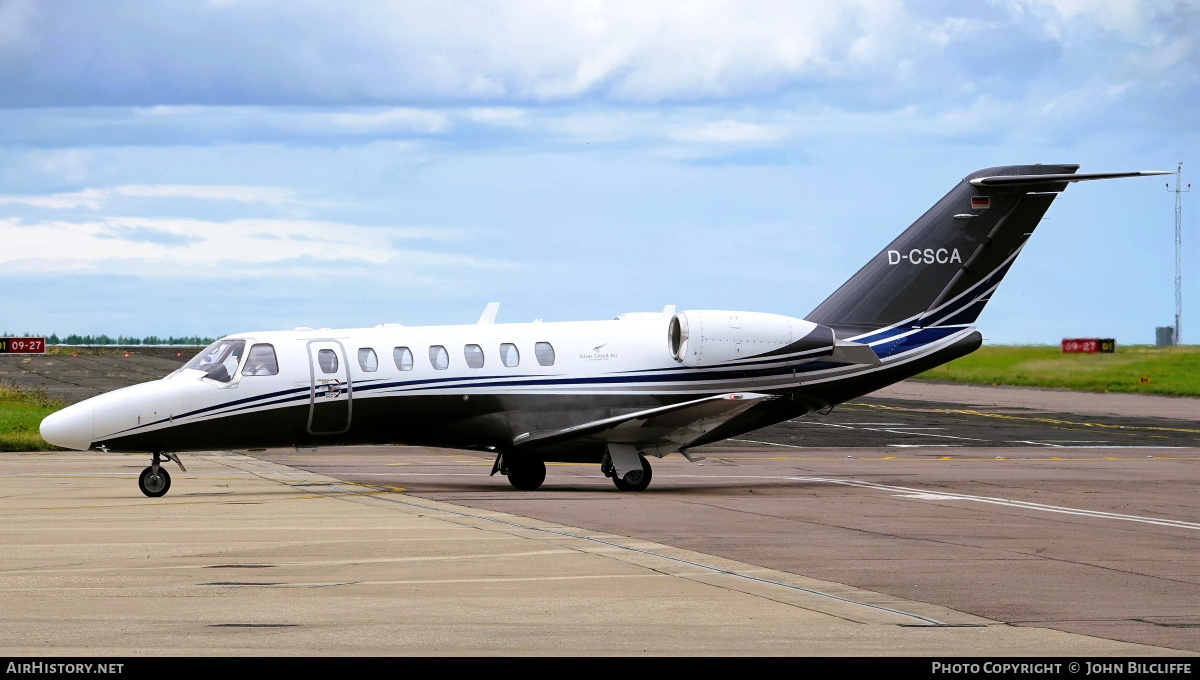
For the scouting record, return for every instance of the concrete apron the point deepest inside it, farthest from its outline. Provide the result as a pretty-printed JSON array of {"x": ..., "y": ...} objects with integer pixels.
[{"x": 245, "y": 556}]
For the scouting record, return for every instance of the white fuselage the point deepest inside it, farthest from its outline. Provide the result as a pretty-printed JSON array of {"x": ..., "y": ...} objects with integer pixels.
[{"x": 392, "y": 383}]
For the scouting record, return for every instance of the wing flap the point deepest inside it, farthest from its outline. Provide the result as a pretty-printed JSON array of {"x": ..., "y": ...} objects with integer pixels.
[{"x": 665, "y": 429}]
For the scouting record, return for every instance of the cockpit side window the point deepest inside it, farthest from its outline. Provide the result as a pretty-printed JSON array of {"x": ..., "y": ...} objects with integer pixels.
[
  {"x": 219, "y": 360},
  {"x": 261, "y": 361}
]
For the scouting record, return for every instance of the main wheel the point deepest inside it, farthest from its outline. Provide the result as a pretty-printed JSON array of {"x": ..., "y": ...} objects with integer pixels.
[
  {"x": 526, "y": 473},
  {"x": 636, "y": 480},
  {"x": 154, "y": 485}
]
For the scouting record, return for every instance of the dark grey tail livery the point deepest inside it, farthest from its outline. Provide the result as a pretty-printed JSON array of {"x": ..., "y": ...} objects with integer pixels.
[{"x": 943, "y": 269}]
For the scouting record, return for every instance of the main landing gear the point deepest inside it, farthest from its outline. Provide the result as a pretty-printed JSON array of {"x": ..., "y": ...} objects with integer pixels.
[
  {"x": 629, "y": 470},
  {"x": 524, "y": 472},
  {"x": 155, "y": 481}
]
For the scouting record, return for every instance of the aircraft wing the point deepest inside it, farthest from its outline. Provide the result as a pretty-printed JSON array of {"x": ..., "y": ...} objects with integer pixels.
[{"x": 658, "y": 430}]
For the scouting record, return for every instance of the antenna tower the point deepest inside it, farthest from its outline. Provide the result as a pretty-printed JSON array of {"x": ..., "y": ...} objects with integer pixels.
[{"x": 1179, "y": 192}]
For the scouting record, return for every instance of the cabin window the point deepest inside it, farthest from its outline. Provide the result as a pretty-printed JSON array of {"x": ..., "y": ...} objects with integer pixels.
[
  {"x": 474, "y": 356},
  {"x": 439, "y": 357},
  {"x": 261, "y": 361},
  {"x": 509, "y": 355},
  {"x": 544, "y": 353},
  {"x": 219, "y": 360},
  {"x": 327, "y": 360},
  {"x": 367, "y": 360},
  {"x": 403, "y": 358}
]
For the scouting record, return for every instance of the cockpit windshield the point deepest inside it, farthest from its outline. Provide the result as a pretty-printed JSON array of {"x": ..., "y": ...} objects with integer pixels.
[{"x": 219, "y": 360}]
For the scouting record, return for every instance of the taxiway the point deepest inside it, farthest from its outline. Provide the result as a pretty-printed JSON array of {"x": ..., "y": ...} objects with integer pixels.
[{"x": 924, "y": 519}]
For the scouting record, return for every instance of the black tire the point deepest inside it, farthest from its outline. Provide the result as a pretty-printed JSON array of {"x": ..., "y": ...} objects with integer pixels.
[
  {"x": 526, "y": 473},
  {"x": 636, "y": 480},
  {"x": 154, "y": 486}
]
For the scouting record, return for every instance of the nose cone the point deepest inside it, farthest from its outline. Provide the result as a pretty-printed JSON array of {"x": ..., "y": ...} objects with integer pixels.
[{"x": 70, "y": 428}]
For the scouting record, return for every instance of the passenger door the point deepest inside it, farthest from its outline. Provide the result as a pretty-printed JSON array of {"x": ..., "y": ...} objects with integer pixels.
[{"x": 330, "y": 392}]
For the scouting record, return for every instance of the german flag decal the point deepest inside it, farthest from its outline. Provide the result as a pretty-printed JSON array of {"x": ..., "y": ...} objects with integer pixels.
[{"x": 981, "y": 202}]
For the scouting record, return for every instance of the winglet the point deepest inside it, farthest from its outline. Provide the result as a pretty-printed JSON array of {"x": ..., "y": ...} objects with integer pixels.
[{"x": 489, "y": 314}]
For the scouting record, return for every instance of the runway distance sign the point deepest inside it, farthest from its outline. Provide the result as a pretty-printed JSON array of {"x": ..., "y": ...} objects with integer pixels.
[
  {"x": 1089, "y": 345},
  {"x": 22, "y": 345}
]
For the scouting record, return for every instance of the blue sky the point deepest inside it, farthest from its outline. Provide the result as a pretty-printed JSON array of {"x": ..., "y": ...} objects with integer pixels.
[{"x": 216, "y": 167}]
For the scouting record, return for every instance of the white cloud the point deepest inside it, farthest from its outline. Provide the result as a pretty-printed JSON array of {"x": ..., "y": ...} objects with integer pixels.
[
  {"x": 17, "y": 22},
  {"x": 393, "y": 120},
  {"x": 72, "y": 165},
  {"x": 88, "y": 198},
  {"x": 211, "y": 192},
  {"x": 182, "y": 248},
  {"x": 94, "y": 198},
  {"x": 729, "y": 131},
  {"x": 497, "y": 115},
  {"x": 1133, "y": 19},
  {"x": 390, "y": 52}
]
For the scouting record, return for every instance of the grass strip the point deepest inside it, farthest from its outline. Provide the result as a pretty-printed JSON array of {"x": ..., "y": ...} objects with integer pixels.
[
  {"x": 21, "y": 412},
  {"x": 1135, "y": 368}
]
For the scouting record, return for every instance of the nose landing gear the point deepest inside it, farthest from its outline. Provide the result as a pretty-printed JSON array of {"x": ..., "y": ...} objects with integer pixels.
[{"x": 155, "y": 481}]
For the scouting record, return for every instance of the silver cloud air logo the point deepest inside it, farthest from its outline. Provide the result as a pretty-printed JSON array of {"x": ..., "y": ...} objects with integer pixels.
[{"x": 596, "y": 355}]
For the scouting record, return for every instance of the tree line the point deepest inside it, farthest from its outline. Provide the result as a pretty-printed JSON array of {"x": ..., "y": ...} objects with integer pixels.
[{"x": 102, "y": 339}]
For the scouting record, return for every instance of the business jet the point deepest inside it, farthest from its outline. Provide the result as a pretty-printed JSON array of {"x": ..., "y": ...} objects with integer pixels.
[{"x": 613, "y": 393}]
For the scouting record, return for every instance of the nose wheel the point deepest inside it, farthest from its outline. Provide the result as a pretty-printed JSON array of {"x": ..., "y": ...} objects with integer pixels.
[{"x": 155, "y": 481}]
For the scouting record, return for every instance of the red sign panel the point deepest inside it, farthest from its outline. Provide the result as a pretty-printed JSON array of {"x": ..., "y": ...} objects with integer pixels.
[
  {"x": 22, "y": 345},
  {"x": 1089, "y": 345},
  {"x": 1080, "y": 346}
]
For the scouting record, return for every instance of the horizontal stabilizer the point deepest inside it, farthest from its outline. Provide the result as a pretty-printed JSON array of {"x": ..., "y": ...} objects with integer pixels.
[
  {"x": 854, "y": 353},
  {"x": 1021, "y": 180},
  {"x": 666, "y": 428}
]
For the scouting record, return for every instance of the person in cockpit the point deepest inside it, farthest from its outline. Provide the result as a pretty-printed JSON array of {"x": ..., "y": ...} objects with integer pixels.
[{"x": 220, "y": 360}]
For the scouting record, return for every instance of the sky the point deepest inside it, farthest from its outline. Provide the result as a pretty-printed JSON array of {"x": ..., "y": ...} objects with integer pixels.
[{"x": 205, "y": 168}]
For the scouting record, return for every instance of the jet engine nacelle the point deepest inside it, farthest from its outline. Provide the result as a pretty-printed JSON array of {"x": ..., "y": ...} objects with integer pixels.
[{"x": 709, "y": 337}]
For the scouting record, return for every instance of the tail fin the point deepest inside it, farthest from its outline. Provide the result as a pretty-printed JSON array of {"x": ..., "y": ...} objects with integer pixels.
[{"x": 943, "y": 269}]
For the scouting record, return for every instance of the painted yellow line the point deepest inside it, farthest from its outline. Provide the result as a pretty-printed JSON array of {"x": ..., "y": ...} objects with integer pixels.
[
  {"x": 976, "y": 457},
  {"x": 438, "y": 462},
  {"x": 1051, "y": 421}
]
